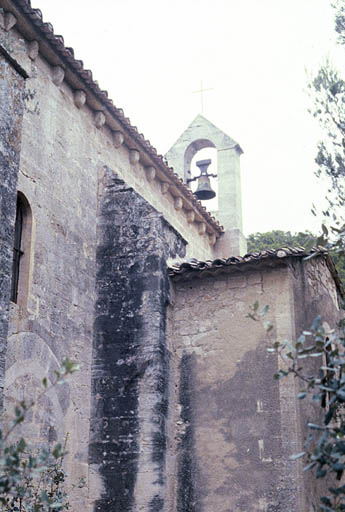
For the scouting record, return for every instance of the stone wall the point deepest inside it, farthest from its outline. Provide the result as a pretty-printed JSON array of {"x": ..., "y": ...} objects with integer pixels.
[
  {"x": 11, "y": 113},
  {"x": 313, "y": 287},
  {"x": 59, "y": 180},
  {"x": 50, "y": 100},
  {"x": 232, "y": 427},
  {"x": 130, "y": 370},
  {"x": 64, "y": 150},
  {"x": 177, "y": 422}
]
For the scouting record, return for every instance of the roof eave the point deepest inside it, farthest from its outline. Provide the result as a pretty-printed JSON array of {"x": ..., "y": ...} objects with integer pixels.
[{"x": 30, "y": 24}]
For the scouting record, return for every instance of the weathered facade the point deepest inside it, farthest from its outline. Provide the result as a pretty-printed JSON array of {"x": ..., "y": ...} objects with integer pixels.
[
  {"x": 103, "y": 217},
  {"x": 130, "y": 368},
  {"x": 237, "y": 426},
  {"x": 11, "y": 115}
]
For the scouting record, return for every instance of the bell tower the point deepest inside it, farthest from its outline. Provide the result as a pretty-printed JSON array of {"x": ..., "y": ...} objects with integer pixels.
[{"x": 200, "y": 134}]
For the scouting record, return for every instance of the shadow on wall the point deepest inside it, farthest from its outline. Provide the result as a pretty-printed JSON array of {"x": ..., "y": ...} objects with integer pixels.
[{"x": 231, "y": 449}]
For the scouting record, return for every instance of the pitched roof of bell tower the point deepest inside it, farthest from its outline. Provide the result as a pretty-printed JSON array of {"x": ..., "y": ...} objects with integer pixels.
[{"x": 201, "y": 133}]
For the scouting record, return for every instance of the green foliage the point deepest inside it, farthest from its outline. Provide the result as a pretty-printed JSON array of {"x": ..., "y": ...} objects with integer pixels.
[
  {"x": 338, "y": 257},
  {"x": 328, "y": 92},
  {"x": 277, "y": 239},
  {"x": 324, "y": 450},
  {"x": 32, "y": 481},
  {"x": 339, "y": 7},
  {"x": 329, "y": 109}
]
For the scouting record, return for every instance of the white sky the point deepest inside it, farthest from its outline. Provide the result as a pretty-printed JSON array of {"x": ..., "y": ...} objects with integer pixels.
[{"x": 151, "y": 54}]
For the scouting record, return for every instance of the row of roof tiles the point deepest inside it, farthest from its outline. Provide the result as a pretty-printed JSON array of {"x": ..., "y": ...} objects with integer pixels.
[
  {"x": 195, "y": 268},
  {"x": 67, "y": 55}
]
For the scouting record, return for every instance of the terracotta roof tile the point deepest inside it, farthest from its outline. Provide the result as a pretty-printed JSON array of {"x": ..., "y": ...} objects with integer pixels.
[
  {"x": 67, "y": 56},
  {"x": 195, "y": 268}
]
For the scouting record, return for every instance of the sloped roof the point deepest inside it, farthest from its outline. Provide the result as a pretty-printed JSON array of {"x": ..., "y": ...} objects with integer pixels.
[
  {"x": 55, "y": 47},
  {"x": 270, "y": 257},
  {"x": 201, "y": 122}
]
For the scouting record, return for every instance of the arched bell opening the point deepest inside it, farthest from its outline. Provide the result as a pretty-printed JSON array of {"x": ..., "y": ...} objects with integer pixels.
[
  {"x": 189, "y": 154},
  {"x": 202, "y": 135},
  {"x": 202, "y": 157}
]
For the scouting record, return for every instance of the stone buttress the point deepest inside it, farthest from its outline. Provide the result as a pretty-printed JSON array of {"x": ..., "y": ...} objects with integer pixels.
[{"x": 130, "y": 356}]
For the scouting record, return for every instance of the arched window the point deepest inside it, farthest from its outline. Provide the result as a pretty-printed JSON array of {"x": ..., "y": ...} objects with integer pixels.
[{"x": 21, "y": 251}]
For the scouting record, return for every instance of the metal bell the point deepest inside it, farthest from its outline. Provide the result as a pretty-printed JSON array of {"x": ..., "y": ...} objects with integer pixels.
[{"x": 204, "y": 190}]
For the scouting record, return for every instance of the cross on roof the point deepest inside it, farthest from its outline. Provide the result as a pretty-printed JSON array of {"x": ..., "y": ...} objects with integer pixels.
[{"x": 201, "y": 91}]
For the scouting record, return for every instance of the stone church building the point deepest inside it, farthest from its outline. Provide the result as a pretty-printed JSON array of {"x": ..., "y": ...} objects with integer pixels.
[{"x": 109, "y": 259}]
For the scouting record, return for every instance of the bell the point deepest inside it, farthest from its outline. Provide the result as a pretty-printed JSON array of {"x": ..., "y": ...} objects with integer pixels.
[{"x": 204, "y": 190}]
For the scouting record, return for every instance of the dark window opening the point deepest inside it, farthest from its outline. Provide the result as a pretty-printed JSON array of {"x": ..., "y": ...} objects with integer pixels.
[
  {"x": 17, "y": 249},
  {"x": 21, "y": 252}
]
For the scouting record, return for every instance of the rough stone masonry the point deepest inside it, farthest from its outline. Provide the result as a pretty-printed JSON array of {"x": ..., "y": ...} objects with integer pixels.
[
  {"x": 11, "y": 115},
  {"x": 232, "y": 427},
  {"x": 130, "y": 369},
  {"x": 174, "y": 408}
]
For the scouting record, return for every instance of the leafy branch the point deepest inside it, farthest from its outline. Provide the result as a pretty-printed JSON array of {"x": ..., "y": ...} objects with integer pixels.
[{"x": 33, "y": 482}]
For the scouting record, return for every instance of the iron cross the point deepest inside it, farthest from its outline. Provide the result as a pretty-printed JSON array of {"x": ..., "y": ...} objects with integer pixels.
[{"x": 201, "y": 91}]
